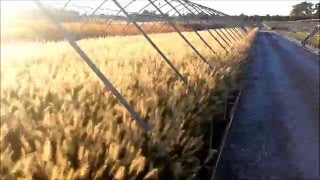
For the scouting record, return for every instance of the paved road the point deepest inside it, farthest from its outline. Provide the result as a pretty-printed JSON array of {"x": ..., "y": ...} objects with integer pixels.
[{"x": 275, "y": 132}]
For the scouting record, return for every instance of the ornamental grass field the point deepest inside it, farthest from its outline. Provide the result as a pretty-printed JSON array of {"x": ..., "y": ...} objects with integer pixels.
[
  {"x": 43, "y": 30},
  {"x": 59, "y": 122}
]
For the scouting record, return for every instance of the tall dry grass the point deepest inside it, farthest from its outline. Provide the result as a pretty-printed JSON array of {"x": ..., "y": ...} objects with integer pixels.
[
  {"x": 58, "y": 121},
  {"x": 43, "y": 30}
]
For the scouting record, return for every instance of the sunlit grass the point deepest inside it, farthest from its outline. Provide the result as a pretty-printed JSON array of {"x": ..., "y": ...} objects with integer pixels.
[
  {"x": 59, "y": 122},
  {"x": 42, "y": 30}
]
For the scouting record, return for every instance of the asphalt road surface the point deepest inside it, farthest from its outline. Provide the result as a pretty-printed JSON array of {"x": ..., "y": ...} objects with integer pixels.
[{"x": 275, "y": 131}]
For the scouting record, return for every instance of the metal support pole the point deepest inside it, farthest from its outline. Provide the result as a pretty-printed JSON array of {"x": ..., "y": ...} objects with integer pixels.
[
  {"x": 86, "y": 21},
  {"x": 151, "y": 42},
  {"x": 195, "y": 31},
  {"x": 154, "y": 25},
  {"x": 209, "y": 9},
  {"x": 158, "y": 21},
  {"x": 210, "y": 12},
  {"x": 140, "y": 11},
  {"x": 203, "y": 10},
  {"x": 230, "y": 32},
  {"x": 244, "y": 31},
  {"x": 199, "y": 10},
  {"x": 224, "y": 35},
  {"x": 183, "y": 37},
  {"x": 240, "y": 34},
  {"x": 159, "y": 31},
  {"x": 172, "y": 15},
  {"x": 95, "y": 69},
  {"x": 207, "y": 28},
  {"x": 118, "y": 14},
  {"x": 65, "y": 5},
  {"x": 235, "y": 33},
  {"x": 241, "y": 30}
]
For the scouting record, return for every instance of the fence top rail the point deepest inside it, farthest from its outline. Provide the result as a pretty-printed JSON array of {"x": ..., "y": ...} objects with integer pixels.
[
  {"x": 132, "y": 13},
  {"x": 141, "y": 8},
  {"x": 307, "y": 20}
]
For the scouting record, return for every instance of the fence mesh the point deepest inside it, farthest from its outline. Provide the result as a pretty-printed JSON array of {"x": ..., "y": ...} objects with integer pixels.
[
  {"x": 144, "y": 17},
  {"x": 194, "y": 26}
]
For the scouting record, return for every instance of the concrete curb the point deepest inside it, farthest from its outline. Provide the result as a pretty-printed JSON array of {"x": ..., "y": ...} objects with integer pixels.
[{"x": 229, "y": 115}]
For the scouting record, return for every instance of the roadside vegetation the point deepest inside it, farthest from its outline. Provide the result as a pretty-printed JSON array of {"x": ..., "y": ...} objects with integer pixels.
[
  {"x": 58, "y": 121},
  {"x": 43, "y": 30},
  {"x": 314, "y": 41}
]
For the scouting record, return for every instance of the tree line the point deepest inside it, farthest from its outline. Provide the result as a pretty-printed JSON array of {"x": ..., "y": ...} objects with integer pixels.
[{"x": 301, "y": 11}]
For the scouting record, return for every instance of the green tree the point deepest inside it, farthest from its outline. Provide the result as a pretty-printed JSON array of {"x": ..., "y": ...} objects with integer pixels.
[
  {"x": 267, "y": 17},
  {"x": 302, "y": 9},
  {"x": 317, "y": 8}
]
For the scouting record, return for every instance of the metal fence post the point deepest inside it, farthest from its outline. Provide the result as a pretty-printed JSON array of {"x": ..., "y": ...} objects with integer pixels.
[
  {"x": 95, "y": 69},
  {"x": 195, "y": 31},
  {"x": 151, "y": 42},
  {"x": 183, "y": 37},
  {"x": 207, "y": 28},
  {"x": 196, "y": 7}
]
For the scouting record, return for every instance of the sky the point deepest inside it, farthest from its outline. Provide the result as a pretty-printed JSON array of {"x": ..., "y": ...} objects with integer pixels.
[
  {"x": 230, "y": 7},
  {"x": 252, "y": 7}
]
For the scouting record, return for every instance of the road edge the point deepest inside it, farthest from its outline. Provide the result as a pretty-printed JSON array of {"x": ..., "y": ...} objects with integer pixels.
[
  {"x": 298, "y": 43},
  {"x": 226, "y": 132}
]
